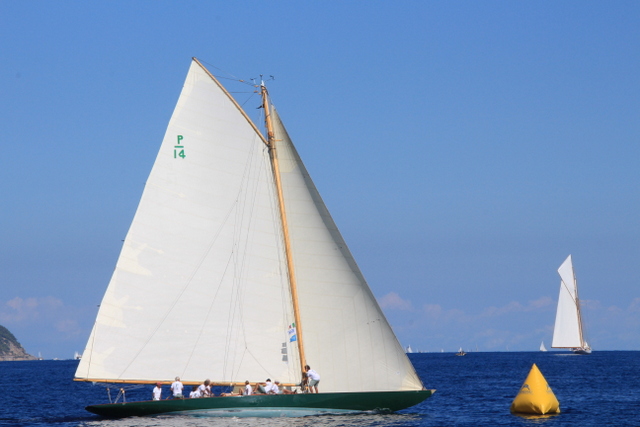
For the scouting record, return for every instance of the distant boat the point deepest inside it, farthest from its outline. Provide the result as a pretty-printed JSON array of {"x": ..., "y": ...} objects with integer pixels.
[
  {"x": 77, "y": 356},
  {"x": 568, "y": 331},
  {"x": 461, "y": 352},
  {"x": 234, "y": 270},
  {"x": 542, "y": 347},
  {"x": 40, "y": 356},
  {"x": 409, "y": 349}
]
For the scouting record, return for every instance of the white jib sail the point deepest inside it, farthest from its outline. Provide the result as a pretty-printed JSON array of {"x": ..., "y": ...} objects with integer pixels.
[
  {"x": 200, "y": 287},
  {"x": 347, "y": 338},
  {"x": 566, "y": 332}
]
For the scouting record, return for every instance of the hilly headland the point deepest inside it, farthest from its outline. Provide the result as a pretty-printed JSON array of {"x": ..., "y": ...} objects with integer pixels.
[{"x": 10, "y": 348}]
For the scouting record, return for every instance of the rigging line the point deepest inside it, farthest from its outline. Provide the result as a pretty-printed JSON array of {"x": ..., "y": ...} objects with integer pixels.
[
  {"x": 93, "y": 339},
  {"x": 237, "y": 235},
  {"x": 250, "y": 204},
  {"x": 259, "y": 364},
  {"x": 240, "y": 254},
  {"x": 253, "y": 94},
  {"x": 276, "y": 230},
  {"x": 264, "y": 176},
  {"x": 233, "y": 77},
  {"x": 235, "y": 374},
  {"x": 246, "y": 209},
  {"x": 116, "y": 386},
  {"x": 183, "y": 290},
  {"x": 573, "y": 298},
  {"x": 206, "y": 318},
  {"x": 232, "y": 262}
]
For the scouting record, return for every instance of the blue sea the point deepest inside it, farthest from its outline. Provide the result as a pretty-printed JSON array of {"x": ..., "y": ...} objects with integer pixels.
[{"x": 475, "y": 390}]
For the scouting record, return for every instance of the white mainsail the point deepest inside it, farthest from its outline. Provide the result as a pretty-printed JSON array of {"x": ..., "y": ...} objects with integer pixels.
[
  {"x": 542, "y": 347},
  {"x": 201, "y": 288},
  {"x": 202, "y": 264},
  {"x": 568, "y": 332}
]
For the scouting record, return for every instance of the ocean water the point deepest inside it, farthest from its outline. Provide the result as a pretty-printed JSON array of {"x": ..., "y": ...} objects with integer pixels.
[{"x": 475, "y": 390}]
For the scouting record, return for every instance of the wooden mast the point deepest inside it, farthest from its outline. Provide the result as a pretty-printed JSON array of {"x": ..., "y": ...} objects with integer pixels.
[
  {"x": 577, "y": 301},
  {"x": 285, "y": 228}
]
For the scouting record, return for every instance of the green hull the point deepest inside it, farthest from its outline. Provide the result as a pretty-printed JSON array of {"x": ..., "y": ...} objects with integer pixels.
[{"x": 268, "y": 405}]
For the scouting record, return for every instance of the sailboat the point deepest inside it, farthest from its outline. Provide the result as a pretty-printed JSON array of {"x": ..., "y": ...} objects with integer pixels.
[
  {"x": 409, "y": 349},
  {"x": 568, "y": 331},
  {"x": 234, "y": 270},
  {"x": 461, "y": 352},
  {"x": 542, "y": 347}
]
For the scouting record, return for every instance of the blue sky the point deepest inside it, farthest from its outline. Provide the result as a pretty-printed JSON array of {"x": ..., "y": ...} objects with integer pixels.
[{"x": 463, "y": 148}]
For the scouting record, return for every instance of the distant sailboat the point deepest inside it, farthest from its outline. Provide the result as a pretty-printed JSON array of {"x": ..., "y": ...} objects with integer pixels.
[
  {"x": 542, "y": 347},
  {"x": 409, "y": 349},
  {"x": 568, "y": 331},
  {"x": 461, "y": 352},
  {"x": 77, "y": 356}
]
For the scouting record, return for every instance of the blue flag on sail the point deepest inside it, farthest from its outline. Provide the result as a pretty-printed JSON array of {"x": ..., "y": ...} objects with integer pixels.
[{"x": 292, "y": 332}]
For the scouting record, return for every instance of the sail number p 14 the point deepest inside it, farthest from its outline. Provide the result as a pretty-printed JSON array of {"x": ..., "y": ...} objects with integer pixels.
[{"x": 178, "y": 150}]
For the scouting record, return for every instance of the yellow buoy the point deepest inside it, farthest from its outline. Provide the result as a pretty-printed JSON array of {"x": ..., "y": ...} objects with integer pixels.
[{"x": 535, "y": 396}]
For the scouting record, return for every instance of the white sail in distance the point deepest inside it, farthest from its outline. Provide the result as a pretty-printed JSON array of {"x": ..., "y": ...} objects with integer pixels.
[
  {"x": 567, "y": 332},
  {"x": 201, "y": 288}
]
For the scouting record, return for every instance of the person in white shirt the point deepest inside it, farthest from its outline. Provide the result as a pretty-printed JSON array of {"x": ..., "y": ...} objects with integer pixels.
[
  {"x": 268, "y": 386},
  {"x": 205, "y": 389},
  {"x": 314, "y": 378},
  {"x": 194, "y": 392},
  {"x": 157, "y": 391},
  {"x": 274, "y": 388},
  {"x": 248, "y": 390},
  {"x": 176, "y": 388}
]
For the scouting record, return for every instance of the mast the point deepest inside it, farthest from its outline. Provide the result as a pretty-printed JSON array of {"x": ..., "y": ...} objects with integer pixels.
[
  {"x": 287, "y": 242},
  {"x": 575, "y": 286}
]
